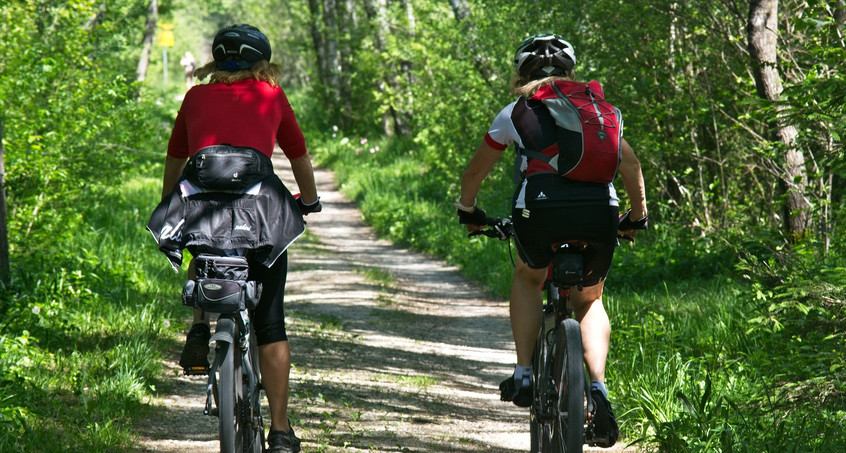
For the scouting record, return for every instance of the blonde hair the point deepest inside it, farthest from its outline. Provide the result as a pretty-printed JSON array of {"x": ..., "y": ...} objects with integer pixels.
[
  {"x": 525, "y": 85},
  {"x": 262, "y": 70}
]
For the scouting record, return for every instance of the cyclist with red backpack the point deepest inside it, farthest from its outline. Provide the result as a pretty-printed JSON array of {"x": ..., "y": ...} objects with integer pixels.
[{"x": 569, "y": 148}]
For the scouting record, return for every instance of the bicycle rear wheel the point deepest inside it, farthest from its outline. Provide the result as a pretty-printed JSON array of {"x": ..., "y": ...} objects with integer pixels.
[{"x": 569, "y": 378}]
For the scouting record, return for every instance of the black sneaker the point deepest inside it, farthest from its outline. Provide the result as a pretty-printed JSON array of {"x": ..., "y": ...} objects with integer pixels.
[
  {"x": 605, "y": 430},
  {"x": 282, "y": 442},
  {"x": 194, "y": 358},
  {"x": 521, "y": 397}
]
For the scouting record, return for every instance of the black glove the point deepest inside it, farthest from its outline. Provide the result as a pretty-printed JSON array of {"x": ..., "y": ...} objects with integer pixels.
[
  {"x": 477, "y": 217},
  {"x": 307, "y": 209},
  {"x": 626, "y": 224}
]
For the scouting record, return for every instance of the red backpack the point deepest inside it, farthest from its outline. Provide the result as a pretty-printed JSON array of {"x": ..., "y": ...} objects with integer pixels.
[{"x": 589, "y": 146}]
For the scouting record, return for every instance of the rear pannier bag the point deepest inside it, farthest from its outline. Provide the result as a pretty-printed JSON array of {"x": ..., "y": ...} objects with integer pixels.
[{"x": 221, "y": 285}]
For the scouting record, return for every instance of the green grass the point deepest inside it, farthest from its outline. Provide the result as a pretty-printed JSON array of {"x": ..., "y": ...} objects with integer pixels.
[
  {"x": 377, "y": 276},
  {"x": 84, "y": 325}
]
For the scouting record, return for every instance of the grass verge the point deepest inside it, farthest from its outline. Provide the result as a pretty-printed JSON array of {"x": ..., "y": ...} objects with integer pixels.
[{"x": 85, "y": 320}]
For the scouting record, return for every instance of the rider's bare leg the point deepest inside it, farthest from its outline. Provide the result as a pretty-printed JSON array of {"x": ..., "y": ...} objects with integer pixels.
[
  {"x": 595, "y": 327},
  {"x": 275, "y": 364},
  {"x": 526, "y": 306}
]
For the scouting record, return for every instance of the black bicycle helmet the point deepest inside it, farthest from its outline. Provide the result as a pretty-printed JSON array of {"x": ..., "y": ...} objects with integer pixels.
[
  {"x": 544, "y": 56},
  {"x": 241, "y": 42}
]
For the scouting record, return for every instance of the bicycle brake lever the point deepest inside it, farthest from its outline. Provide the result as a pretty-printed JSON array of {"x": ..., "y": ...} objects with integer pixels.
[{"x": 502, "y": 234}]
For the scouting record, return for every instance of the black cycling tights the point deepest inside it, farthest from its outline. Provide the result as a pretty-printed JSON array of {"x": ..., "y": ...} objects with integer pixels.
[{"x": 269, "y": 316}]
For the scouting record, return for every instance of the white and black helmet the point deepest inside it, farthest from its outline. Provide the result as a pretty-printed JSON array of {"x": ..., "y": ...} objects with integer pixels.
[
  {"x": 544, "y": 56},
  {"x": 241, "y": 41}
]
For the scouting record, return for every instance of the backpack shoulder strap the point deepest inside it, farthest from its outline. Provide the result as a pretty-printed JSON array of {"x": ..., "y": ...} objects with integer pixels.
[{"x": 532, "y": 154}]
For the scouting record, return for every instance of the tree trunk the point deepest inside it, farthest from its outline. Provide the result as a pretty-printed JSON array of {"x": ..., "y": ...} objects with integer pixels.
[
  {"x": 149, "y": 35},
  {"x": 839, "y": 8},
  {"x": 348, "y": 30},
  {"x": 375, "y": 10},
  {"x": 4, "y": 230},
  {"x": 404, "y": 109},
  {"x": 461, "y": 11},
  {"x": 333, "y": 55},
  {"x": 762, "y": 30},
  {"x": 317, "y": 40}
]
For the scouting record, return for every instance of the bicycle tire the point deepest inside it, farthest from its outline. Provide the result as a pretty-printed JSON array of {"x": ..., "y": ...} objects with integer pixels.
[
  {"x": 540, "y": 432},
  {"x": 253, "y": 426},
  {"x": 569, "y": 378},
  {"x": 230, "y": 391}
]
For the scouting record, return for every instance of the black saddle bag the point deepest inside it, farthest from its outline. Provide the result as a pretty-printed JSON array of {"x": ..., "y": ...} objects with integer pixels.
[{"x": 568, "y": 269}]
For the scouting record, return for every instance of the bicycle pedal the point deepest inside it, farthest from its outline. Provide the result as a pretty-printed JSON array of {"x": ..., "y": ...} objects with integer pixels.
[{"x": 196, "y": 371}]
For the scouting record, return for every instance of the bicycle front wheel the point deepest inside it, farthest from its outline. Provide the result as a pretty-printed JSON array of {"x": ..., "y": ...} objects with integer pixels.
[
  {"x": 569, "y": 378},
  {"x": 230, "y": 391},
  {"x": 251, "y": 419},
  {"x": 544, "y": 397}
]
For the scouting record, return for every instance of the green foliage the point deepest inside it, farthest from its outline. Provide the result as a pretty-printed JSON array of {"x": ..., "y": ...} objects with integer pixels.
[
  {"x": 81, "y": 327},
  {"x": 727, "y": 337},
  {"x": 70, "y": 117},
  {"x": 799, "y": 310}
]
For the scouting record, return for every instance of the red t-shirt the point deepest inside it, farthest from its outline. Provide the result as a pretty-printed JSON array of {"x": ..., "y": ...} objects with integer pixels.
[{"x": 246, "y": 113}]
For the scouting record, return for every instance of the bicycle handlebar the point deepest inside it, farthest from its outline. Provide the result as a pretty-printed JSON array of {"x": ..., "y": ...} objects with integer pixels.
[{"x": 503, "y": 229}]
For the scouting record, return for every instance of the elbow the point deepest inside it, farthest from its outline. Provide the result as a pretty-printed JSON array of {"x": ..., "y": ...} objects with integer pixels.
[{"x": 630, "y": 165}]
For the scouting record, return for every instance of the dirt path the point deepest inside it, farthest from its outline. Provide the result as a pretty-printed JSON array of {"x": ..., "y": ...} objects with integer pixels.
[{"x": 393, "y": 351}]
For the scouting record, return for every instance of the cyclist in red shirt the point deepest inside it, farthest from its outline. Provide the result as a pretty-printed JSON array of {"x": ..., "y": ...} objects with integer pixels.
[
  {"x": 549, "y": 208},
  {"x": 243, "y": 105}
]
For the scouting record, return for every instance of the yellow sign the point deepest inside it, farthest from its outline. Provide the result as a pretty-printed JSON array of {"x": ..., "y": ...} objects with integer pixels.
[{"x": 166, "y": 35}]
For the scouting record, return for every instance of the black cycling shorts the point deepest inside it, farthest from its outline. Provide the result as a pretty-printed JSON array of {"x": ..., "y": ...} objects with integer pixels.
[
  {"x": 545, "y": 227},
  {"x": 269, "y": 316}
]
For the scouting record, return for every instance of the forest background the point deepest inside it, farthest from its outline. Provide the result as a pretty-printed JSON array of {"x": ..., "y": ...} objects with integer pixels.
[{"x": 728, "y": 313}]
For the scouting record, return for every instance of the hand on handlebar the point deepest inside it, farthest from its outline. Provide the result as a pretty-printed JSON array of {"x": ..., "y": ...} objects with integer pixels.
[
  {"x": 627, "y": 228},
  {"x": 474, "y": 221},
  {"x": 307, "y": 209},
  {"x": 501, "y": 229}
]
